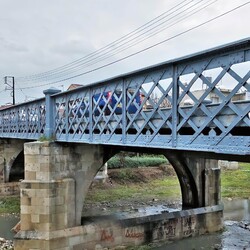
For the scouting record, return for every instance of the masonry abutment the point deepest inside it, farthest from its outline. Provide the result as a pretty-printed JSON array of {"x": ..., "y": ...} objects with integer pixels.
[
  {"x": 57, "y": 178},
  {"x": 199, "y": 179}
]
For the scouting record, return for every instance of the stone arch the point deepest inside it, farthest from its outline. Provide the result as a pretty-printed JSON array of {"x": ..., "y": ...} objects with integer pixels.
[
  {"x": 17, "y": 168},
  {"x": 58, "y": 175},
  {"x": 186, "y": 179},
  {"x": 65, "y": 172},
  {"x": 190, "y": 171},
  {"x": 184, "y": 176},
  {"x": 10, "y": 151},
  {"x": 84, "y": 161}
]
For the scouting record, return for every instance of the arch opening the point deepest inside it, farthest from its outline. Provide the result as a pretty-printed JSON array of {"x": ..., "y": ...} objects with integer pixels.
[
  {"x": 128, "y": 187},
  {"x": 17, "y": 168}
]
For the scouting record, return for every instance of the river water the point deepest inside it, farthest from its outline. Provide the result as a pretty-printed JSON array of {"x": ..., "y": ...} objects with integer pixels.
[
  {"x": 234, "y": 236},
  {"x": 7, "y": 222}
]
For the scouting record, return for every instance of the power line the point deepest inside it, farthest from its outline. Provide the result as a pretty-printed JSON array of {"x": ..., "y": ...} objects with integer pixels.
[
  {"x": 113, "y": 44},
  {"x": 145, "y": 49},
  {"x": 129, "y": 45}
]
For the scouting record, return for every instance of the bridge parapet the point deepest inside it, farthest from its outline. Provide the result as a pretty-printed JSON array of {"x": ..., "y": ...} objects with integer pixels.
[
  {"x": 23, "y": 121},
  {"x": 173, "y": 105}
]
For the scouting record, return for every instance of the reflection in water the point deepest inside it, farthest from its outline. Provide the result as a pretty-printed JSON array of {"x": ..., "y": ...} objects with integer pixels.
[
  {"x": 6, "y": 223},
  {"x": 237, "y": 210},
  {"x": 234, "y": 237}
]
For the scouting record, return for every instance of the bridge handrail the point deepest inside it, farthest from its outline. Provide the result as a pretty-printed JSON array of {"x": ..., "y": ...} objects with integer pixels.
[{"x": 130, "y": 109}]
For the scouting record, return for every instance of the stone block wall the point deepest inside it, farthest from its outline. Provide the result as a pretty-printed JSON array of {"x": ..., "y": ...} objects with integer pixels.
[
  {"x": 57, "y": 178},
  {"x": 47, "y": 206},
  {"x": 104, "y": 234},
  {"x": 9, "y": 150},
  {"x": 11, "y": 188}
]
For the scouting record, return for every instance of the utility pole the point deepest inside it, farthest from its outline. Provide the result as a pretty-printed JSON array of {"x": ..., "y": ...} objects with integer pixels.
[{"x": 10, "y": 86}]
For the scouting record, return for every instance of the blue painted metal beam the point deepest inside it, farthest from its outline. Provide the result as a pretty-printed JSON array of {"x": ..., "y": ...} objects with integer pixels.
[{"x": 199, "y": 102}]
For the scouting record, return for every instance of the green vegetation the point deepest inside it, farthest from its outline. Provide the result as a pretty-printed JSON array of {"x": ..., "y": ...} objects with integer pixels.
[
  {"x": 135, "y": 162},
  {"x": 155, "y": 189},
  {"x": 44, "y": 138},
  {"x": 235, "y": 183},
  {"x": 9, "y": 204}
]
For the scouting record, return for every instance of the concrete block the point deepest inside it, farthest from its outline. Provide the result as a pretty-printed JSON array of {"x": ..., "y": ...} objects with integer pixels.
[
  {"x": 45, "y": 167},
  {"x": 35, "y": 218},
  {"x": 32, "y": 148},
  {"x": 45, "y": 159},
  {"x": 32, "y": 165},
  {"x": 30, "y": 175},
  {"x": 43, "y": 176},
  {"x": 45, "y": 151},
  {"x": 25, "y": 209},
  {"x": 25, "y": 201},
  {"x": 26, "y": 222}
]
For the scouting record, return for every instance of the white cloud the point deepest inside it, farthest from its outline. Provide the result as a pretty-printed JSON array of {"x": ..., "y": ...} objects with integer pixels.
[{"x": 37, "y": 36}]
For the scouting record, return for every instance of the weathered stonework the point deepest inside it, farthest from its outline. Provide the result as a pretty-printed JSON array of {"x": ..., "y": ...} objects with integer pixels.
[
  {"x": 133, "y": 231},
  {"x": 11, "y": 188},
  {"x": 9, "y": 150},
  {"x": 57, "y": 178}
]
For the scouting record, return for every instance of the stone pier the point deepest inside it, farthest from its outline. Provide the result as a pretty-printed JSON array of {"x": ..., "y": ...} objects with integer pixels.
[{"x": 57, "y": 179}]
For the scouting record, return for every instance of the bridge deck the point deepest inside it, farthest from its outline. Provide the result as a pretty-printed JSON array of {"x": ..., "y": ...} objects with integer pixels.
[{"x": 173, "y": 105}]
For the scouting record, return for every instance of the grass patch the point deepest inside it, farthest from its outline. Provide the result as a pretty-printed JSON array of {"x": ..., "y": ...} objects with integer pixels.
[
  {"x": 135, "y": 162},
  {"x": 10, "y": 204},
  {"x": 158, "y": 189},
  {"x": 235, "y": 183}
]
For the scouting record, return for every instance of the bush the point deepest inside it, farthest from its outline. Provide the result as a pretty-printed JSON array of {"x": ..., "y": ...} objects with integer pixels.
[
  {"x": 9, "y": 204},
  {"x": 135, "y": 162}
]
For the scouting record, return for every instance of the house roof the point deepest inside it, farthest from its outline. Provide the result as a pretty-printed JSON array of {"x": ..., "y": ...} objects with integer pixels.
[{"x": 74, "y": 86}]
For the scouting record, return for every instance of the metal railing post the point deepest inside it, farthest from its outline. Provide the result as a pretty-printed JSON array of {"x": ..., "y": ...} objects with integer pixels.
[
  {"x": 175, "y": 97},
  {"x": 49, "y": 109}
]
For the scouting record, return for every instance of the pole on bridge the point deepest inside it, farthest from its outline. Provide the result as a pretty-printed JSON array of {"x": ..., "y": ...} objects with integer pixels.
[
  {"x": 49, "y": 108},
  {"x": 11, "y": 87}
]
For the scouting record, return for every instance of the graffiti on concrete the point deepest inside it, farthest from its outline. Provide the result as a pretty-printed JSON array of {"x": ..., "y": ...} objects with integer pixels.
[
  {"x": 107, "y": 235},
  {"x": 188, "y": 225},
  {"x": 165, "y": 229},
  {"x": 134, "y": 232}
]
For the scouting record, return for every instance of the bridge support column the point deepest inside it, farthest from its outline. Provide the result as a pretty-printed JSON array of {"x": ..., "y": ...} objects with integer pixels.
[
  {"x": 57, "y": 178},
  {"x": 199, "y": 179}
]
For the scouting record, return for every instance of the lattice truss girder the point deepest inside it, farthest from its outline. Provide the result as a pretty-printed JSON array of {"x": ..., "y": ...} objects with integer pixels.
[
  {"x": 148, "y": 109},
  {"x": 107, "y": 109},
  {"x": 23, "y": 121},
  {"x": 164, "y": 106},
  {"x": 149, "y": 118},
  {"x": 212, "y": 115},
  {"x": 72, "y": 114}
]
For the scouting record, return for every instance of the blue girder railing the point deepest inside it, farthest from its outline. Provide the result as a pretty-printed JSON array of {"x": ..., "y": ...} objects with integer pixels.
[{"x": 199, "y": 102}]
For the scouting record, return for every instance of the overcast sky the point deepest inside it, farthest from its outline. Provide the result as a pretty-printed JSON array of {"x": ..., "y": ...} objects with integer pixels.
[{"x": 38, "y": 36}]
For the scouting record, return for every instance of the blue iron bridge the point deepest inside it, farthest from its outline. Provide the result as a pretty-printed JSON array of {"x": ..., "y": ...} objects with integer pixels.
[{"x": 199, "y": 102}]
